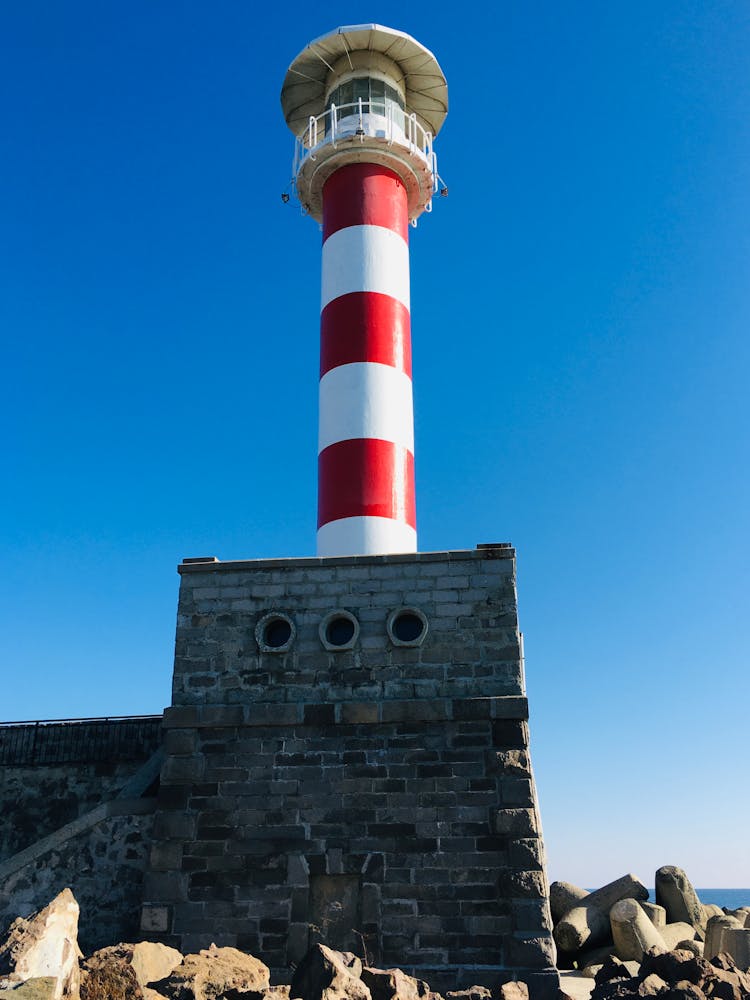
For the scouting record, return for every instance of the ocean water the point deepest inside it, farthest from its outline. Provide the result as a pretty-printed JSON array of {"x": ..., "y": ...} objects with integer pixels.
[{"x": 731, "y": 898}]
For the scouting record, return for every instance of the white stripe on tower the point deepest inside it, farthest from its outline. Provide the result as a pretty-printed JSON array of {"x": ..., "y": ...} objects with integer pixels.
[{"x": 366, "y": 430}]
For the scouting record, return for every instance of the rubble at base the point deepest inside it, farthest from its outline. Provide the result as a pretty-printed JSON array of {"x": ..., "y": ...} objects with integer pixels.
[{"x": 624, "y": 947}]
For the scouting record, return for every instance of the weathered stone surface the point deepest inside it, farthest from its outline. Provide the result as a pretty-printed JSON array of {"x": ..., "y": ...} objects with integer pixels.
[
  {"x": 655, "y": 913},
  {"x": 651, "y": 985},
  {"x": 675, "y": 892},
  {"x": 595, "y": 956},
  {"x": 626, "y": 887},
  {"x": 150, "y": 961},
  {"x": 632, "y": 931},
  {"x": 32, "y": 989},
  {"x": 715, "y": 929},
  {"x": 612, "y": 969},
  {"x": 583, "y": 925},
  {"x": 472, "y": 993},
  {"x": 563, "y": 896},
  {"x": 588, "y": 924},
  {"x": 212, "y": 973},
  {"x": 393, "y": 984},
  {"x": 324, "y": 974},
  {"x": 711, "y": 910},
  {"x": 691, "y": 945},
  {"x": 735, "y": 941},
  {"x": 110, "y": 979},
  {"x": 675, "y": 966},
  {"x": 514, "y": 991},
  {"x": 43, "y": 945},
  {"x": 672, "y": 934}
]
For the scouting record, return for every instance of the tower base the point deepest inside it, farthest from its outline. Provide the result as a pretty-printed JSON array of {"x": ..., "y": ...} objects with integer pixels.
[{"x": 348, "y": 762}]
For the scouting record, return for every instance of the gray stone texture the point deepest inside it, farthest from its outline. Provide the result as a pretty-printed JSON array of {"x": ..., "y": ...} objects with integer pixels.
[
  {"x": 53, "y": 773},
  {"x": 632, "y": 931},
  {"x": 380, "y": 798},
  {"x": 675, "y": 892}
]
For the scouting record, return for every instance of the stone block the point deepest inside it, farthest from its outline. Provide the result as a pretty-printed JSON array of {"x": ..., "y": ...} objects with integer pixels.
[{"x": 516, "y": 822}]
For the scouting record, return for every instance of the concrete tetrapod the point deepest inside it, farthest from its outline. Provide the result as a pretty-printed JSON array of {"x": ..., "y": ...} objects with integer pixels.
[
  {"x": 715, "y": 930},
  {"x": 632, "y": 931},
  {"x": 735, "y": 941},
  {"x": 675, "y": 892},
  {"x": 563, "y": 897},
  {"x": 589, "y": 923}
]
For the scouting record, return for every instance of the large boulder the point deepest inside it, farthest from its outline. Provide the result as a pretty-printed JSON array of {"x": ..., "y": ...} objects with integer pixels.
[
  {"x": 325, "y": 974},
  {"x": 675, "y": 892},
  {"x": 632, "y": 931},
  {"x": 110, "y": 981},
  {"x": 44, "y": 945},
  {"x": 212, "y": 973},
  {"x": 151, "y": 962},
  {"x": 393, "y": 984}
]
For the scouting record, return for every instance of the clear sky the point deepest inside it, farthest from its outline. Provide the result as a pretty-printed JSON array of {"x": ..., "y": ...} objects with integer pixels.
[{"x": 580, "y": 310}]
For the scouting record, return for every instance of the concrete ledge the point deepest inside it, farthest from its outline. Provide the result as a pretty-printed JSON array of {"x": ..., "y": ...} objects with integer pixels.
[
  {"x": 365, "y": 713},
  {"x": 210, "y": 564}
]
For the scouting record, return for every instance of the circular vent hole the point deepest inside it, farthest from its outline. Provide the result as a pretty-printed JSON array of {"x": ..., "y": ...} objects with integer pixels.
[
  {"x": 407, "y": 627},
  {"x": 340, "y": 631},
  {"x": 277, "y": 633}
]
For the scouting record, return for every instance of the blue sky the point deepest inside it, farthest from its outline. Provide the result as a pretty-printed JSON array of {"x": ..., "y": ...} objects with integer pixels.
[{"x": 580, "y": 310}]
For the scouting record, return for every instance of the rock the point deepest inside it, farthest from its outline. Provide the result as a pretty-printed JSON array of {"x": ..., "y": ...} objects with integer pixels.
[
  {"x": 632, "y": 931},
  {"x": 595, "y": 956},
  {"x": 514, "y": 991},
  {"x": 325, "y": 974},
  {"x": 151, "y": 962},
  {"x": 32, "y": 989},
  {"x": 591, "y": 971},
  {"x": 473, "y": 993},
  {"x": 651, "y": 985},
  {"x": 44, "y": 945},
  {"x": 612, "y": 969},
  {"x": 675, "y": 966},
  {"x": 694, "y": 947},
  {"x": 393, "y": 984},
  {"x": 675, "y": 893},
  {"x": 714, "y": 932},
  {"x": 563, "y": 896},
  {"x": 588, "y": 924},
  {"x": 674, "y": 933},
  {"x": 212, "y": 973},
  {"x": 655, "y": 913},
  {"x": 111, "y": 980}
]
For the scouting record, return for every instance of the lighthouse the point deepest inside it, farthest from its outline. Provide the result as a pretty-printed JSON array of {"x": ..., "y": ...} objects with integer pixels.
[{"x": 365, "y": 103}]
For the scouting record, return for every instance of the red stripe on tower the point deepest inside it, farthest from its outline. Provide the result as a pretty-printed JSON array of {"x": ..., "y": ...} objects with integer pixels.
[{"x": 366, "y": 427}]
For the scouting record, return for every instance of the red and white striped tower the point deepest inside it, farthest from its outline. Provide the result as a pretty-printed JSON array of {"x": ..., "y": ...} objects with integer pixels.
[{"x": 364, "y": 103}]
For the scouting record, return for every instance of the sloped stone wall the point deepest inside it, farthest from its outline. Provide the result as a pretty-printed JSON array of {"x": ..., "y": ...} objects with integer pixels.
[{"x": 52, "y": 773}]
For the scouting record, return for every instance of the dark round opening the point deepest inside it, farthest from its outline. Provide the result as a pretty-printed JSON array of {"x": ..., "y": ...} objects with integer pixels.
[
  {"x": 407, "y": 627},
  {"x": 339, "y": 631},
  {"x": 277, "y": 633}
]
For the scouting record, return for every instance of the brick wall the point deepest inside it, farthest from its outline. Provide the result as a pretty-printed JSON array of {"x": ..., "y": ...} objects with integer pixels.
[{"x": 378, "y": 794}]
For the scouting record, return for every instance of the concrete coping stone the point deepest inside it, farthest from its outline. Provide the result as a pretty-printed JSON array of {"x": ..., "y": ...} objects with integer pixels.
[
  {"x": 513, "y": 707},
  {"x": 203, "y": 564}
]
